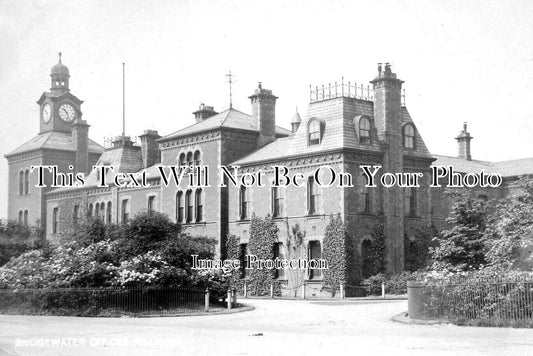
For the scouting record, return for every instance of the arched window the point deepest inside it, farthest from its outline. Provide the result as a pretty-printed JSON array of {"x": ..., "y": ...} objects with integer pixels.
[
  {"x": 90, "y": 211},
  {"x": 189, "y": 159},
  {"x": 197, "y": 158},
  {"x": 55, "y": 220},
  {"x": 151, "y": 203},
  {"x": 21, "y": 183},
  {"x": 109, "y": 215},
  {"x": 409, "y": 200},
  {"x": 75, "y": 215},
  {"x": 364, "y": 130},
  {"x": 20, "y": 217},
  {"x": 278, "y": 253},
  {"x": 314, "y": 132},
  {"x": 179, "y": 206},
  {"x": 366, "y": 259},
  {"x": 313, "y": 196},
  {"x": 182, "y": 160},
  {"x": 97, "y": 210},
  {"x": 125, "y": 210},
  {"x": 277, "y": 202},
  {"x": 243, "y": 203},
  {"x": 26, "y": 182},
  {"x": 190, "y": 206},
  {"x": 199, "y": 205},
  {"x": 365, "y": 195},
  {"x": 25, "y": 217},
  {"x": 409, "y": 136},
  {"x": 315, "y": 253}
]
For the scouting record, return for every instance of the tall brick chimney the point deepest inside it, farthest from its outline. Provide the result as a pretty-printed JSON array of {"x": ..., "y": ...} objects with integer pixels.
[
  {"x": 387, "y": 110},
  {"x": 463, "y": 141},
  {"x": 204, "y": 112},
  {"x": 80, "y": 140},
  {"x": 264, "y": 111},
  {"x": 150, "y": 148}
]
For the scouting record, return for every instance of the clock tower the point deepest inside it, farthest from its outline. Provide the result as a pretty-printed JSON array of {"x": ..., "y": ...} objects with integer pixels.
[{"x": 58, "y": 108}]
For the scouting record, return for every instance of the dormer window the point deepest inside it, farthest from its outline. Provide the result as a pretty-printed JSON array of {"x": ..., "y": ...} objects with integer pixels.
[
  {"x": 314, "y": 132},
  {"x": 364, "y": 130},
  {"x": 409, "y": 136}
]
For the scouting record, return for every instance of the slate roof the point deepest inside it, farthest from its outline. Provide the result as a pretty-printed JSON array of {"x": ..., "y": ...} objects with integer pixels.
[
  {"x": 337, "y": 117},
  {"x": 511, "y": 168},
  {"x": 53, "y": 140},
  {"x": 230, "y": 118},
  {"x": 124, "y": 159}
]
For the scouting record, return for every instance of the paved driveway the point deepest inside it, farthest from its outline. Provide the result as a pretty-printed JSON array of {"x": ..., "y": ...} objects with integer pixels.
[{"x": 275, "y": 327}]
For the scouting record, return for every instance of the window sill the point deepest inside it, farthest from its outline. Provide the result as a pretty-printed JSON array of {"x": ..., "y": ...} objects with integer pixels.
[{"x": 314, "y": 216}]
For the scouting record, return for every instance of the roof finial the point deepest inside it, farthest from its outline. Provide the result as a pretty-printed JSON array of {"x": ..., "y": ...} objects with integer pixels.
[
  {"x": 464, "y": 125},
  {"x": 59, "y": 57}
]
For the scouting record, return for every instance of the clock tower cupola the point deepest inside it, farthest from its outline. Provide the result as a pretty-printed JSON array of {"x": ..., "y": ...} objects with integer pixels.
[
  {"x": 59, "y": 75},
  {"x": 59, "y": 109}
]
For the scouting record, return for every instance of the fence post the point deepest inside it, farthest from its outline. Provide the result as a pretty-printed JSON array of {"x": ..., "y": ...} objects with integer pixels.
[
  {"x": 342, "y": 291},
  {"x": 206, "y": 299},
  {"x": 245, "y": 290},
  {"x": 383, "y": 289},
  {"x": 303, "y": 291},
  {"x": 272, "y": 290},
  {"x": 229, "y": 298},
  {"x": 234, "y": 300}
]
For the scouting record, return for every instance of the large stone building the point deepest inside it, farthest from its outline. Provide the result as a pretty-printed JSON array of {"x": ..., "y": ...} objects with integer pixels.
[{"x": 346, "y": 126}]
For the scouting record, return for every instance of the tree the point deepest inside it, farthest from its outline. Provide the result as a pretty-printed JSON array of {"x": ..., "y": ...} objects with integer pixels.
[
  {"x": 509, "y": 233},
  {"x": 462, "y": 247},
  {"x": 417, "y": 251},
  {"x": 295, "y": 250},
  {"x": 16, "y": 238}
]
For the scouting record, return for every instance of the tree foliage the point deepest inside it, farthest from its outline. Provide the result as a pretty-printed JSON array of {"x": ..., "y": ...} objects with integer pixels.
[
  {"x": 16, "y": 238},
  {"x": 462, "y": 247},
  {"x": 374, "y": 252},
  {"x": 509, "y": 232},
  {"x": 149, "y": 251},
  {"x": 417, "y": 251}
]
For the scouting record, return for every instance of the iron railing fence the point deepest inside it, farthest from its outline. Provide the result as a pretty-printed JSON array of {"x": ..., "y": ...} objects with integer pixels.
[
  {"x": 102, "y": 301},
  {"x": 494, "y": 302}
]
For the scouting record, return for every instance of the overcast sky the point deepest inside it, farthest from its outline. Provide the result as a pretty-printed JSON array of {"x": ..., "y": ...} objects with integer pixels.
[{"x": 460, "y": 60}]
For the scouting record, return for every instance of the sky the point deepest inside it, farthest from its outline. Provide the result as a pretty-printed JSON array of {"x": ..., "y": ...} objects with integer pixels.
[{"x": 460, "y": 60}]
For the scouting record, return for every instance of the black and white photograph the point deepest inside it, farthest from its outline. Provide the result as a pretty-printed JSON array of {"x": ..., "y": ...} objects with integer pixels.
[{"x": 247, "y": 177}]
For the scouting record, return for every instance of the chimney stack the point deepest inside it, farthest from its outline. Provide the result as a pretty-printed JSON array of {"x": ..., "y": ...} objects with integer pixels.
[
  {"x": 150, "y": 148},
  {"x": 463, "y": 141},
  {"x": 264, "y": 112},
  {"x": 204, "y": 112},
  {"x": 80, "y": 140}
]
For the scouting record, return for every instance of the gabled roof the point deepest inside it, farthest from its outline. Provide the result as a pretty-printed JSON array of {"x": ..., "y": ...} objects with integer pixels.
[
  {"x": 511, "y": 168},
  {"x": 55, "y": 141},
  {"x": 230, "y": 118}
]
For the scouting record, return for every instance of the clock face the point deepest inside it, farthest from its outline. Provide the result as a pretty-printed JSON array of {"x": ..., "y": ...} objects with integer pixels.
[
  {"x": 67, "y": 112},
  {"x": 46, "y": 113}
]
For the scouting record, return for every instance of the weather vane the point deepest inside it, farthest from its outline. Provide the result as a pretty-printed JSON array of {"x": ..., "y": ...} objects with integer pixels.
[{"x": 230, "y": 80}]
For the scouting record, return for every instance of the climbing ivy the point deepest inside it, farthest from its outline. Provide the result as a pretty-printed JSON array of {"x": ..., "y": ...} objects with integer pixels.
[
  {"x": 263, "y": 236},
  {"x": 373, "y": 255},
  {"x": 338, "y": 252}
]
